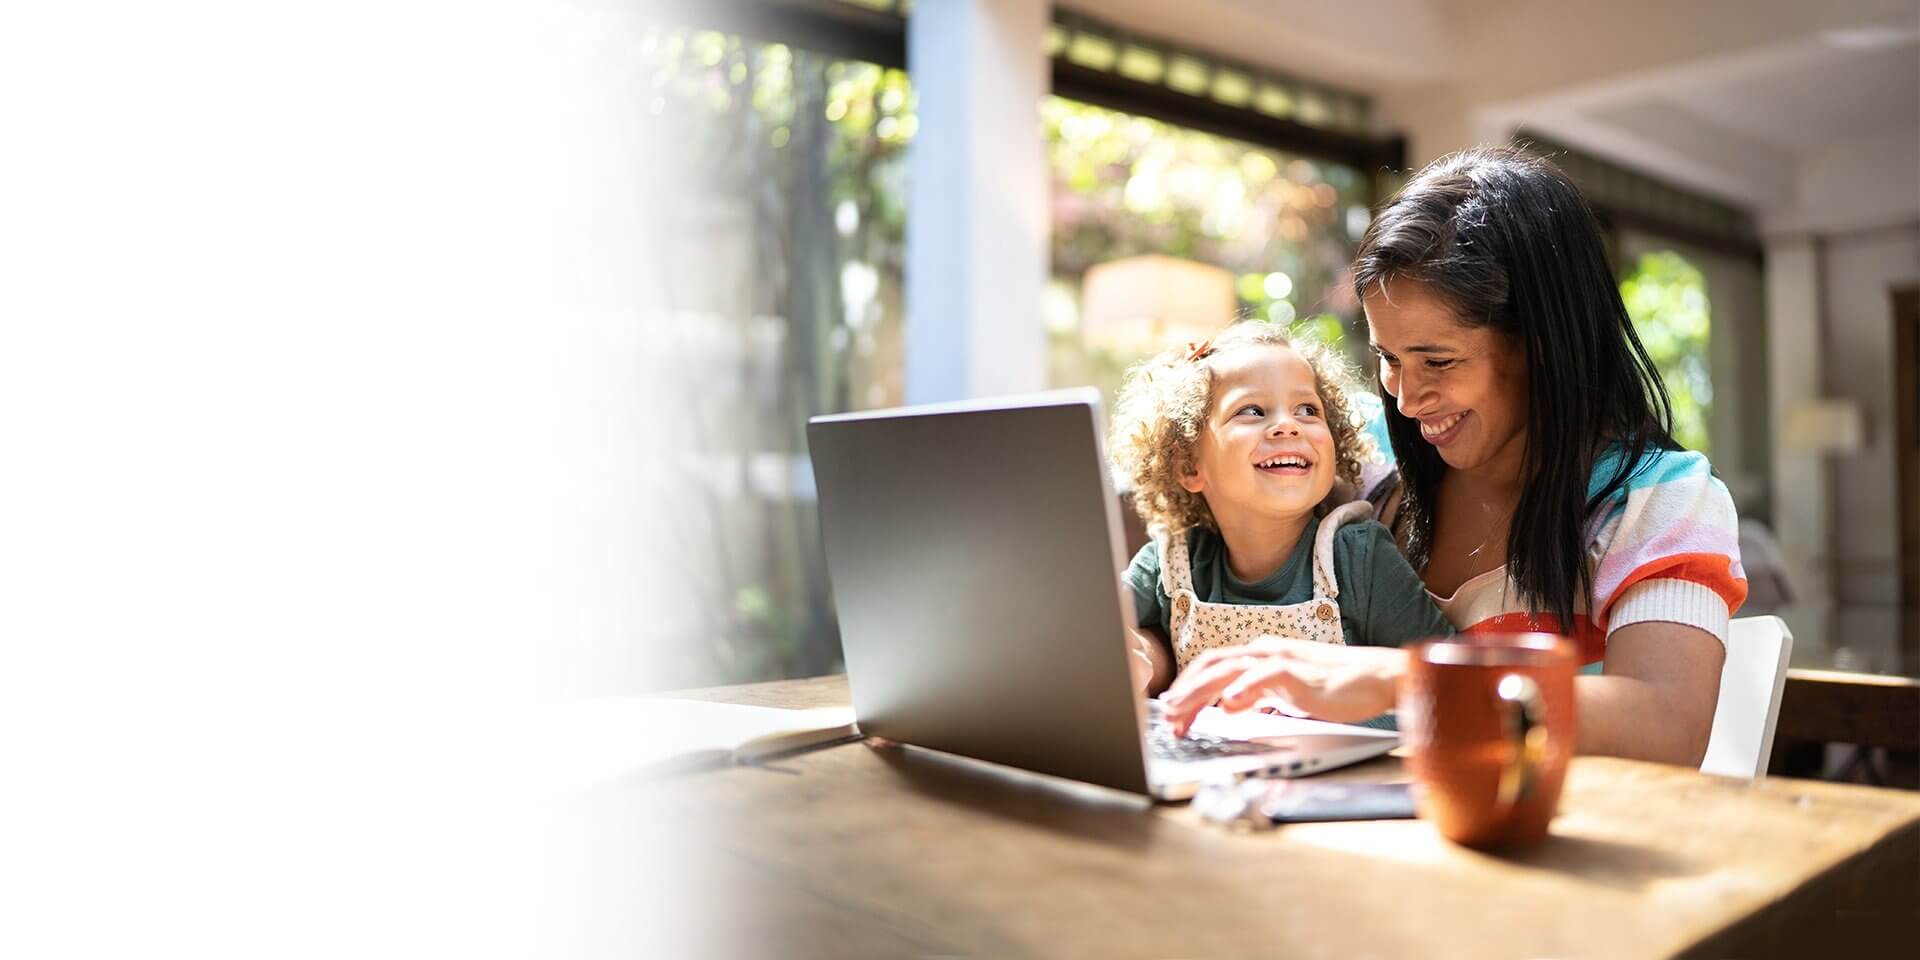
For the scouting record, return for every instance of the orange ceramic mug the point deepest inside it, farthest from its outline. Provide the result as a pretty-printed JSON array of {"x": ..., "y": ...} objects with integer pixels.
[{"x": 1489, "y": 721}]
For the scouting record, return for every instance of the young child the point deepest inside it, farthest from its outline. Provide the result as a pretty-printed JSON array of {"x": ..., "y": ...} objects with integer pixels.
[{"x": 1233, "y": 448}]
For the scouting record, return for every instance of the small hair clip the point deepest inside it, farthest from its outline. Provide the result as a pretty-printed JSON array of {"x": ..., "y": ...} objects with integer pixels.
[{"x": 1196, "y": 351}]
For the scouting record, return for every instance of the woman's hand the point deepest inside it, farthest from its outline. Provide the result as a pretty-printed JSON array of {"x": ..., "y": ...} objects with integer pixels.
[{"x": 1321, "y": 680}]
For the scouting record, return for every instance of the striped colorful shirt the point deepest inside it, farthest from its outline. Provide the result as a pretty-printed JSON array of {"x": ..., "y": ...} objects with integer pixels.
[{"x": 1662, "y": 548}]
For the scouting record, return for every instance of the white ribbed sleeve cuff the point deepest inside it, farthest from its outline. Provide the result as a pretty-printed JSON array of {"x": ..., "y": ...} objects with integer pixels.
[{"x": 1671, "y": 601}]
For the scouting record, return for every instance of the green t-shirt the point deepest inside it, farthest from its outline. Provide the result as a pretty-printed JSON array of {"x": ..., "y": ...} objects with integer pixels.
[{"x": 1382, "y": 601}]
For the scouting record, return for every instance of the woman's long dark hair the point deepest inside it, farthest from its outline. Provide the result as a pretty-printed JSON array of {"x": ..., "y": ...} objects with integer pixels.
[{"x": 1505, "y": 239}]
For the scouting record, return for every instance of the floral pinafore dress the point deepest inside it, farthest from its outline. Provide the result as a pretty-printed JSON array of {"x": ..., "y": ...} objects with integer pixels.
[{"x": 1198, "y": 626}]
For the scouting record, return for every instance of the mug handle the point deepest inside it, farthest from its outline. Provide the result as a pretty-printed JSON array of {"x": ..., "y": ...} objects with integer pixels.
[{"x": 1523, "y": 717}]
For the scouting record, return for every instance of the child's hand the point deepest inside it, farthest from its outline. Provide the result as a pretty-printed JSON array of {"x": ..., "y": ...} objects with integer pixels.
[{"x": 1321, "y": 680}]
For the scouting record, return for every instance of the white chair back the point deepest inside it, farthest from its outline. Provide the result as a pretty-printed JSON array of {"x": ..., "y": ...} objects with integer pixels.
[{"x": 1750, "y": 684}]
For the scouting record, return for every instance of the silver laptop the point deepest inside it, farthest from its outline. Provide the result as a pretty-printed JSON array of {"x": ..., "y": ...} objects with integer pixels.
[{"x": 975, "y": 555}]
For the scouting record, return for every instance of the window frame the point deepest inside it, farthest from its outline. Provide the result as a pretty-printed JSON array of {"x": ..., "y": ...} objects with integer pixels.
[{"x": 858, "y": 32}]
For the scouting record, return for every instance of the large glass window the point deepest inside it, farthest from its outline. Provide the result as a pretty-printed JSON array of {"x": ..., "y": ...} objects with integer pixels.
[
  {"x": 787, "y": 172},
  {"x": 788, "y": 214}
]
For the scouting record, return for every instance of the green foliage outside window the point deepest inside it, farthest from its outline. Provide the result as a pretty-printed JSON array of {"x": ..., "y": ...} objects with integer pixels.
[
  {"x": 1667, "y": 298},
  {"x": 1285, "y": 226}
]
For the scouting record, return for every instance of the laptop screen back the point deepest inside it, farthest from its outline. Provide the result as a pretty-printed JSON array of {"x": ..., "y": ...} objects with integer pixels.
[{"x": 975, "y": 552}]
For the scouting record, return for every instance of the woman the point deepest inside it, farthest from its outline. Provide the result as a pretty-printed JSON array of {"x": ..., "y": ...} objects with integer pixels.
[{"x": 1539, "y": 486}]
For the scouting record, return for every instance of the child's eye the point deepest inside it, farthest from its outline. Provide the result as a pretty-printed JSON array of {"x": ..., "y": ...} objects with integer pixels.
[
  {"x": 1306, "y": 410},
  {"x": 1251, "y": 408}
]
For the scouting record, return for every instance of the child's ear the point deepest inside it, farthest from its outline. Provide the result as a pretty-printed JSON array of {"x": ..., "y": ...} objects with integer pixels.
[{"x": 1193, "y": 482}]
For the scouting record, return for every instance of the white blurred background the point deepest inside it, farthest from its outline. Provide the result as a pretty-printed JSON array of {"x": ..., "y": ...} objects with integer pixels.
[{"x": 328, "y": 412}]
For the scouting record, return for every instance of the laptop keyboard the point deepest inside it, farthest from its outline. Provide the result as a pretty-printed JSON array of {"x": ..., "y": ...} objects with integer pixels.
[{"x": 1164, "y": 745}]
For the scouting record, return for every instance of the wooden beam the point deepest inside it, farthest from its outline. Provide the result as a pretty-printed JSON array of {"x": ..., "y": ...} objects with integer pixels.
[
  {"x": 1111, "y": 90},
  {"x": 820, "y": 26},
  {"x": 856, "y": 33}
]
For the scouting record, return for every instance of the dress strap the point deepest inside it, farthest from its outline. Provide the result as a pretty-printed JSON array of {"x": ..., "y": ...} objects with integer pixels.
[
  {"x": 1325, "y": 585},
  {"x": 1176, "y": 570}
]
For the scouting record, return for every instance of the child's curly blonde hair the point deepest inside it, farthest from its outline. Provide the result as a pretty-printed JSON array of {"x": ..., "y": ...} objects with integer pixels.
[{"x": 1162, "y": 409}]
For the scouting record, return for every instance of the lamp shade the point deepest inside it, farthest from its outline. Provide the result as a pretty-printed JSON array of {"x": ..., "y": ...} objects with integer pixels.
[{"x": 1152, "y": 302}]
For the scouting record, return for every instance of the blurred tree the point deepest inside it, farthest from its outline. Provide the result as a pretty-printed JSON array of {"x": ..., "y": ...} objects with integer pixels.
[
  {"x": 1124, "y": 185},
  {"x": 1667, "y": 298}
]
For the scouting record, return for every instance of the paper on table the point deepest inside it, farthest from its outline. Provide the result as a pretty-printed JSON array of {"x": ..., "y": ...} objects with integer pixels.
[{"x": 591, "y": 741}]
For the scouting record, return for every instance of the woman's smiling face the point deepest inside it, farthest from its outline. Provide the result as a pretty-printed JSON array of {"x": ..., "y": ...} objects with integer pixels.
[{"x": 1466, "y": 385}]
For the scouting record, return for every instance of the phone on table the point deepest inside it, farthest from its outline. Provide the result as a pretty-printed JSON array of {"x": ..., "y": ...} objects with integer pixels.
[
  {"x": 1302, "y": 801},
  {"x": 1260, "y": 802}
]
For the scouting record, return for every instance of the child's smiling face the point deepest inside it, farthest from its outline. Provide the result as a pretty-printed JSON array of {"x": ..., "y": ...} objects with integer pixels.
[{"x": 1266, "y": 451}]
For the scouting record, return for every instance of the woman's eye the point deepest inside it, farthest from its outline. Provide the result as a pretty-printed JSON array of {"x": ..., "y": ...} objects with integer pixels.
[{"x": 1440, "y": 364}]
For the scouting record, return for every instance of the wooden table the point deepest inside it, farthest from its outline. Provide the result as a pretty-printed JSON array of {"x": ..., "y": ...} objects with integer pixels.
[
  {"x": 861, "y": 851},
  {"x": 1869, "y": 709},
  {"x": 1878, "y": 715}
]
